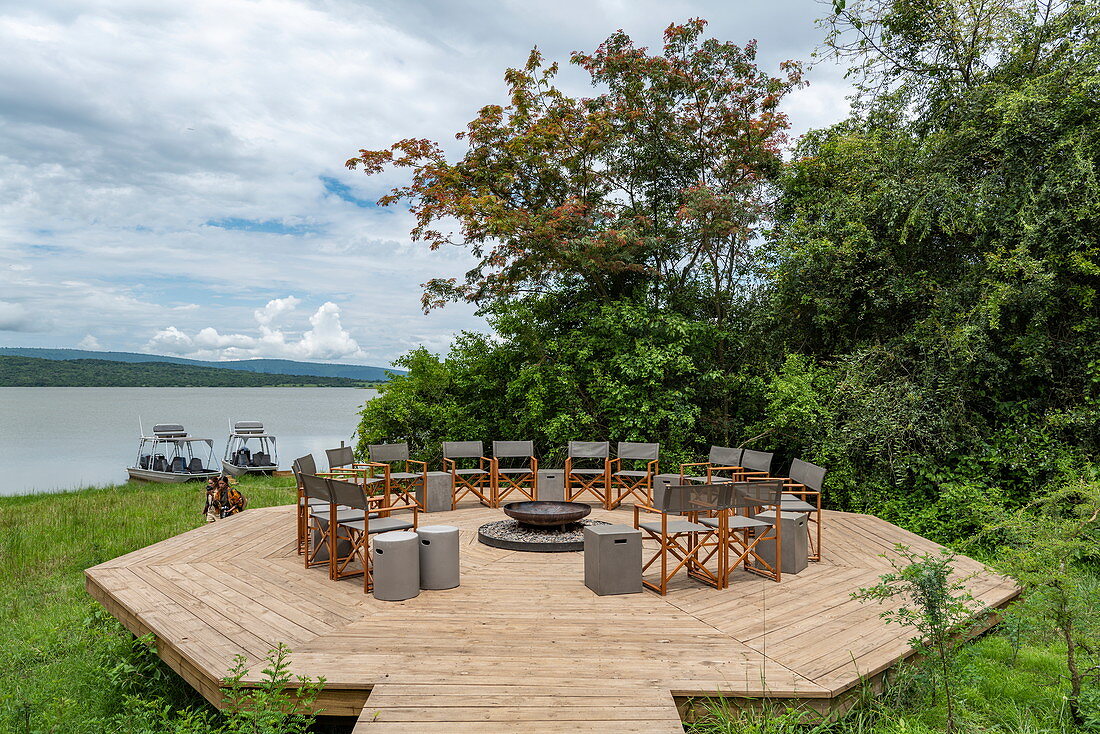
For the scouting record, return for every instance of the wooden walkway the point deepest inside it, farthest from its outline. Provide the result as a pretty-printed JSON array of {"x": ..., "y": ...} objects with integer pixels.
[{"x": 521, "y": 645}]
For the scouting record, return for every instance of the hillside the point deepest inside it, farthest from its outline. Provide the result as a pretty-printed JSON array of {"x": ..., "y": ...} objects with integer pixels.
[
  {"x": 264, "y": 366},
  {"x": 33, "y": 372}
]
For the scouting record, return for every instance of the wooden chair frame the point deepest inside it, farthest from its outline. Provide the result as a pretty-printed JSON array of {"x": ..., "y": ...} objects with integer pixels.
[
  {"x": 318, "y": 490},
  {"x": 400, "y": 488},
  {"x": 720, "y": 459},
  {"x": 301, "y": 466},
  {"x": 739, "y": 535},
  {"x": 597, "y": 484},
  {"x": 809, "y": 495},
  {"x": 523, "y": 480},
  {"x": 683, "y": 547},
  {"x": 358, "y": 540},
  {"x": 481, "y": 484},
  {"x": 625, "y": 486}
]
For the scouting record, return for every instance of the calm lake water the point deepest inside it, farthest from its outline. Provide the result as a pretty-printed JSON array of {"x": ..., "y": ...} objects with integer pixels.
[{"x": 55, "y": 438}]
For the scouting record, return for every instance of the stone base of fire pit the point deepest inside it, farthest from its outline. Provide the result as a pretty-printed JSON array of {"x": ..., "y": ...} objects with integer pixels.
[{"x": 512, "y": 535}]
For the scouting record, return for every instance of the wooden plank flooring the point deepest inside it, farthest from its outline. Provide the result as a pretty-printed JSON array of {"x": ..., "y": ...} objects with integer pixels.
[{"x": 521, "y": 645}]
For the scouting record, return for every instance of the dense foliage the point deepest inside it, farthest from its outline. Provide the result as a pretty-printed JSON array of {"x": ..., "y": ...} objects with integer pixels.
[
  {"x": 909, "y": 301},
  {"x": 33, "y": 372}
]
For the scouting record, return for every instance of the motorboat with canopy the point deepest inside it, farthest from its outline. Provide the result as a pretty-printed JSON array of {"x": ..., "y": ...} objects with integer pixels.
[
  {"x": 249, "y": 450},
  {"x": 170, "y": 455}
]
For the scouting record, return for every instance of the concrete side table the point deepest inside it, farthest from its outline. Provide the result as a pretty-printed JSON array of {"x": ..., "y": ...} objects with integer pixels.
[
  {"x": 796, "y": 544},
  {"x": 613, "y": 559},
  {"x": 439, "y": 567},
  {"x": 396, "y": 565},
  {"x": 552, "y": 485},
  {"x": 438, "y": 492}
]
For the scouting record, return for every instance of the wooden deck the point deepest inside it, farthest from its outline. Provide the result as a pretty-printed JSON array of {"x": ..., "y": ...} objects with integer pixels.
[{"x": 522, "y": 645}]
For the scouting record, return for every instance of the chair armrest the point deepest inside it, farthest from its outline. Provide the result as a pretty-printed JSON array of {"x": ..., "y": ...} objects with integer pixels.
[
  {"x": 653, "y": 467},
  {"x": 448, "y": 462},
  {"x": 423, "y": 464},
  {"x": 614, "y": 462},
  {"x": 534, "y": 464}
]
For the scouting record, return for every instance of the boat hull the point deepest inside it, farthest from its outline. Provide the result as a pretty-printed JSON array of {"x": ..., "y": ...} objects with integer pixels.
[
  {"x": 164, "y": 477},
  {"x": 236, "y": 471}
]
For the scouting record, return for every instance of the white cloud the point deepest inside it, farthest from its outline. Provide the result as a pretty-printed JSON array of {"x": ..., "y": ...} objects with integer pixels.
[
  {"x": 89, "y": 342},
  {"x": 16, "y": 317},
  {"x": 326, "y": 339}
]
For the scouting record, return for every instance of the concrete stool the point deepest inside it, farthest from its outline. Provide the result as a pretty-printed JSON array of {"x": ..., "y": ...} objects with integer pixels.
[
  {"x": 396, "y": 565},
  {"x": 552, "y": 485},
  {"x": 613, "y": 559},
  {"x": 438, "y": 556},
  {"x": 796, "y": 544}
]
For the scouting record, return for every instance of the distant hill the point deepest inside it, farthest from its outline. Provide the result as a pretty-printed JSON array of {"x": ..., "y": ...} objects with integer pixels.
[
  {"x": 34, "y": 372},
  {"x": 266, "y": 366}
]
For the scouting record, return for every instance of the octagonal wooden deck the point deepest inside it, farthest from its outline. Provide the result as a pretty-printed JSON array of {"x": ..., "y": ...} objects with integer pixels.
[{"x": 522, "y": 645}]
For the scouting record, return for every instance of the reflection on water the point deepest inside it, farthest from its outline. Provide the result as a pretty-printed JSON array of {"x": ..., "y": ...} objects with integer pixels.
[{"x": 54, "y": 438}]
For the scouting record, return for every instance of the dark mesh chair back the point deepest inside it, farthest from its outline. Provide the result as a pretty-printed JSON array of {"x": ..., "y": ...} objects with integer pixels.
[
  {"x": 305, "y": 465},
  {"x": 513, "y": 449},
  {"x": 316, "y": 488},
  {"x": 343, "y": 456},
  {"x": 349, "y": 494},
  {"x": 178, "y": 465},
  {"x": 589, "y": 449},
  {"x": 159, "y": 463},
  {"x": 387, "y": 452},
  {"x": 751, "y": 495},
  {"x": 757, "y": 461},
  {"x": 638, "y": 451},
  {"x": 196, "y": 465},
  {"x": 145, "y": 461},
  {"x": 463, "y": 449},
  {"x": 725, "y": 456},
  {"x": 811, "y": 475},
  {"x": 681, "y": 499}
]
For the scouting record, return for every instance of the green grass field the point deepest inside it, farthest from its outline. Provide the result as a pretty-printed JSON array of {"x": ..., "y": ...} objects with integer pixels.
[{"x": 66, "y": 666}]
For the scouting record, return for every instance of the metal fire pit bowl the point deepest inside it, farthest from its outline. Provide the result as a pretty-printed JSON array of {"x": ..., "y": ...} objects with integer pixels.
[{"x": 547, "y": 514}]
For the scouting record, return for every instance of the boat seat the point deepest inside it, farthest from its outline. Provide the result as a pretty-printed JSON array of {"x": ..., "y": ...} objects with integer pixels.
[
  {"x": 178, "y": 466},
  {"x": 196, "y": 467}
]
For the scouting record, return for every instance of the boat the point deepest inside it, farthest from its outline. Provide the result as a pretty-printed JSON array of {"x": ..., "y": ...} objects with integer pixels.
[
  {"x": 243, "y": 457},
  {"x": 170, "y": 455}
]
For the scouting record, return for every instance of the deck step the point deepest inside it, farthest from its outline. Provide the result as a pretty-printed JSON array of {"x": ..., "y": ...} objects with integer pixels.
[{"x": 503, "y": 708}]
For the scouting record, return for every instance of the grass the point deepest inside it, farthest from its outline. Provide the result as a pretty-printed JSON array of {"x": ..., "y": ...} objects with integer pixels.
[
  {"x": 65, "y": 665},
  {"x": 1002, "y": 690}
]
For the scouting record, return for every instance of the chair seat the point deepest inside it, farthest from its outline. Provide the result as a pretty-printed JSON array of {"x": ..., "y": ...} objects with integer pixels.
[
  {"x": 342, "y": 514},
  {"x": 675, "y": 526},
  {"x": 513, "y": 471},
  {"x": 586, "y": 471},
  {"x": 737, "y": 522},
  {"x": 405, "y": 475},
  {"x": 380, "y": 525},
  {"x": 470, "y": 472},
  {"x": 790, "y": 503},
  {"x": 631, "y": 473}
]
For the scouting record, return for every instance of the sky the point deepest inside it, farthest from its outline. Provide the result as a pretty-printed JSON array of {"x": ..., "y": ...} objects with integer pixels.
[{"x": 172, "y": 175}]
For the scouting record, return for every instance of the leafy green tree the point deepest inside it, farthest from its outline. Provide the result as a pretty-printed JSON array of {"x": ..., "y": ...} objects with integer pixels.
[
  {"x": 935, "y": 603},
  {"x": 1051, "y": 548}
]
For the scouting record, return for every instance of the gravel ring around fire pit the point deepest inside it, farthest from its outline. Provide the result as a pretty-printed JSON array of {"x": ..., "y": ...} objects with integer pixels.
[{"x": 512, "y": 535}]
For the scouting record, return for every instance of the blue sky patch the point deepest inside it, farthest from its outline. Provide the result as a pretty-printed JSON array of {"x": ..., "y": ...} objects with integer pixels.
[
  {"x": 267, "y": 226},
  {"x": 341, "y": 190}
]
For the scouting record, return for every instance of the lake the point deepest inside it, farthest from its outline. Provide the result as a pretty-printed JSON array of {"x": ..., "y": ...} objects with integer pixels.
[{"x": 56, "y": 438}]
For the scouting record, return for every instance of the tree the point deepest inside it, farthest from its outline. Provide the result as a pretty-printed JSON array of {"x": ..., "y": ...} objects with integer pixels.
[
  {"x": 1051, "y": 548},
  {"x": 654, "y": 185},
  {"x": 937, "y": 604}
]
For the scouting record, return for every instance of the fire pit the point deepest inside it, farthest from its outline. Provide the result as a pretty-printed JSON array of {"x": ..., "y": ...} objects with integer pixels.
[
  {"x": 547, "y": 514},
  {"x": 539, "y": 527}
]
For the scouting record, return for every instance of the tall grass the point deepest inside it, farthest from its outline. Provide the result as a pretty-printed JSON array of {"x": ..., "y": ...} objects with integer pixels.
[{"x": 65, "y": 665}]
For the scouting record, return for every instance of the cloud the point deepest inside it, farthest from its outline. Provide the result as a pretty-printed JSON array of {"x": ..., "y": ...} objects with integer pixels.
[
  {"x": 90, "y": 343},
  {"x": 15, "y": 317},
  {"x": 326, "y": 339}
]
